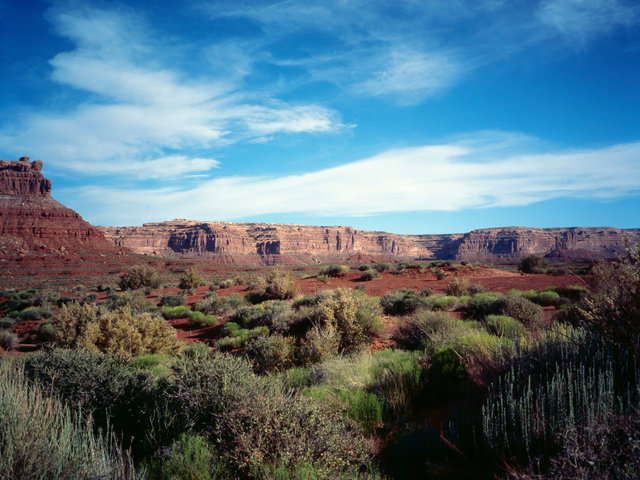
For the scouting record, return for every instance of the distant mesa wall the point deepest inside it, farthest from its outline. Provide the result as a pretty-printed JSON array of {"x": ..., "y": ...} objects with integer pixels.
[
  {"x": 282, "y": 243},
  {"x": 32, "y": 221}
]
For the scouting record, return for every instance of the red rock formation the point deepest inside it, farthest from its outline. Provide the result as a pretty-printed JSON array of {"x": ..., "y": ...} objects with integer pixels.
[
  {"x": 253, "y": 243},
  {"x": 30, "y": 220}
]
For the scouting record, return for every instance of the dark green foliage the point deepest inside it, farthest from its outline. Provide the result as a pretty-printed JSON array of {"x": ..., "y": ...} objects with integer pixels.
[
  {"x": 441, "y": 274},
  {"x": 196, "y": 350},
  {"x": 571, "y": 292},
  {"x": 65, "y": 300},
  {"x": 270, "y": 354},
  {"x": 190, "y": 457},
  {"x": 7, "y": 322},
  {"x": 383, "y": 266},
  {"x": 420, "y": 329},
  {"x": 35, "y": 313},
  {"x": 175, "y": 312},
  {"x": 480, "y": 306},
  {"x": 139, "y": 276},
  {"x": 215, "y": 305},
  {"x": 369, "y": 275},
  {"x": 364, "y": 267},
  {"x": 175, "y": 300},
  {"x": 333, "y": 270},
  {"x": 363, "y": 407},
  {"x": 404, "y": 302},
  {"x": 201, "y": 320},
  {"x": 8, "y": 340},
  {"x": 46, "y": 332},
  {"x": 523, "y": 310},
  {"x": 249, "y": 317},
  {"x": 503, "y": 326},
  {"x": 446, "y": 374},
  {"x": 533, "y": 264},
  {"x": 90, "y": 298},
  {"x": 565, "y": 381}
]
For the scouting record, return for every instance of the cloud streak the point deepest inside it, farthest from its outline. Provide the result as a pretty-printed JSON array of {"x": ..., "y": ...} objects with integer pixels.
[{"x": 444, "y": 177}]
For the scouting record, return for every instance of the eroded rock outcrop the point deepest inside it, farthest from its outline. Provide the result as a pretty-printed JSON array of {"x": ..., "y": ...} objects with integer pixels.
[
  {"x": 32, "y": 221},
  {"x": 254, "y": 243}
]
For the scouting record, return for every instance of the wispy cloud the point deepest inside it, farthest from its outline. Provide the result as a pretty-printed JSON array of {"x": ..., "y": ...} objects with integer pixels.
[
  {"x": 139, "y": 113},
  {"x": 582, "y": 20},
  {"x": 472, "y": 173}
]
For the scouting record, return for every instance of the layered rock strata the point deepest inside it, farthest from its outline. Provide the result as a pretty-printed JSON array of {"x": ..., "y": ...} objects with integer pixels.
[
  {"x": 282, "y": 243},
  {"x": 32, "y": 221}
]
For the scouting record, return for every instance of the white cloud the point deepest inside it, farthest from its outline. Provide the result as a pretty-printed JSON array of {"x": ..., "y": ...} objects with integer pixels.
[
  {"x": 581, "y": 20},
  {"x": 447, "y": 177},
  {"x": 139, "y": 111}
]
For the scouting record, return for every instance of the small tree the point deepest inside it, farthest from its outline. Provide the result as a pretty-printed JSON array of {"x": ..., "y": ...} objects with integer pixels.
[
  {"x": 533, "y": 264},
  {"x": 190, "y": 279}
]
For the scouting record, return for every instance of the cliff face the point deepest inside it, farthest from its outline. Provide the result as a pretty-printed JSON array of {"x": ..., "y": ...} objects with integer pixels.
[
  {"x": 277, "y": 243},
  {"x": 32, "y": 221}
]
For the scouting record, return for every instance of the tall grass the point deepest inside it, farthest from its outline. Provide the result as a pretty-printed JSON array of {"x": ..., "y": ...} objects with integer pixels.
[
  {"x": 41, "y": 439},
  {"x": 554, "y": 383}
]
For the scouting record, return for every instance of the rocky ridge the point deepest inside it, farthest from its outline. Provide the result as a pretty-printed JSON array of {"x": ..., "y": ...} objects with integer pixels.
[
  {"x": 255, "y": 243},
  {"x": 32, "y": 221}
]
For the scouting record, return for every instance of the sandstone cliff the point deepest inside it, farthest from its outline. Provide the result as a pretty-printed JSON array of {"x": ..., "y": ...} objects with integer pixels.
[
  {"x": 254, "y": 243},
  {"x": 32, "y": 221}
]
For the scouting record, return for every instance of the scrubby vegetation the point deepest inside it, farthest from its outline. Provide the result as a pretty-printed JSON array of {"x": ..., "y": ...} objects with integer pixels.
[{"x": 337, "y": 384}]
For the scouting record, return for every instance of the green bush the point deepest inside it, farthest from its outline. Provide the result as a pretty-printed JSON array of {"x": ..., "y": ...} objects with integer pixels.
[
  {"x": 458, "y": 287},
  {"x": 190, "y": 279},
  {"x": 369, "y": 275},
  {"x": 363, "y": 407},
  {"x": 481, "y": 305},
  {"x": 133, "y": 299},
  {"x": 318, "y": 345},
  {"x": 333, "y": 270},
  {"x": 46, "y": 332},
  {"x": 429, "y": 330},
  {"x": 8, "y": 340},
  {"x": 549, "y": 299},
  {"x": 446, "y": 374},
  {"x": 35, "y": 313},
  {"x": 441, "y": 302},
  {"x": 533, "y": 264},
  {"x": 383, "y": 266},
  {"x": 403, "y": 302},
  {"x": 249, "y": 317},
  {"x": 215, "y": 305},
  {"x": 201, "y": 320},
  {"x": 504, "y": 326},
  {"x": 270, "y": 354},
  {"x": 139, "y": 276},
  {"x": 190, "y": 457},
  {"x": 278, "y": 284},
  {"x": 175, "y": 312},
  {"x": 41, "y": 438},
  {"x": 7, "y": 322},
  {"x": 521, "y": 309},
  {"x": 175, "y": 300},
  {"x": 364, "y": 267},
  {"x": 441, "y": 274}
]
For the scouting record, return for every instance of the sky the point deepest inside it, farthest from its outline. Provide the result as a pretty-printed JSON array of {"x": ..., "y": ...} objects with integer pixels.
[{"x": 403, "y": 116}]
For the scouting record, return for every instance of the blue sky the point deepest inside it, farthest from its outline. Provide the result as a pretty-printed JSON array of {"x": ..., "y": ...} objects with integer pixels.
[{"x": 403, "y": 116}]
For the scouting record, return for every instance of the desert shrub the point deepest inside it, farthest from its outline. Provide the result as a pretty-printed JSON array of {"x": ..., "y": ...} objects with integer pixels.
[
  {"x": 279, "y": 316},
  {"x": 363, "y": 407},
  {"x": 458, "y": 287},
  {"x": 533, "y": 264},
  {"x": 107, "y": 388},
  {"x": 481, "y": 305},
  {"x": 429, "y": 330},
  {"x": 175, "y": 312},
  {"x": 383, "y": 266},
  {"x": 612, "y": 307},
  {"x": 441, "y": 274},
  {"x": 190, "y": 457},
  {"x": 549, "y": 299},
  {"x": 441, "y": 302},
  {"x": 121, "y": 331},
  {"x": 201, "y": 320},
  {"x": 558, "y": 382},
  {"x": 139, "y": 276},
  {"x": 175, "y": 300},
  {"x": 322, "y": 278},
  {"x": 270, "y": 354},
  {"x": 215, "y": 305},
  {"x": 503, "y": 326},
  {"x": 403, "y": 302},
  {"x": 8, "y": 340},
  {"x": 318, "y": 345},
  {"x": 236, "y": 337},
  {"x": 364, "y": 267},
  {"x": 571, "y": 292},
  {"x": 90, "y": 298},
  {"x": 369, "y": 275},
  {"x": 447, "y": 373},
  {"x": 134, "y": 299},
  {"x": 333, "y": 270},
  {"x": 190, "y": 279},
  {"x": 46, "y": 332},
  {"x": 35, "y": 313},
  {"x": 196, "y": 350},
  {"x": 249, "y": 317},
  {"x": 521, "y": 309},
  {"x": 152, "y": 362},
  {"x": 41, "y": 438},
  {"x": 65, "y": 300},
  {"x": 228, "y": 283},
  {"x": 604, "y": 449},
  {"x": 7, "y": 322},
  {"x": 278, "y": 284}
]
